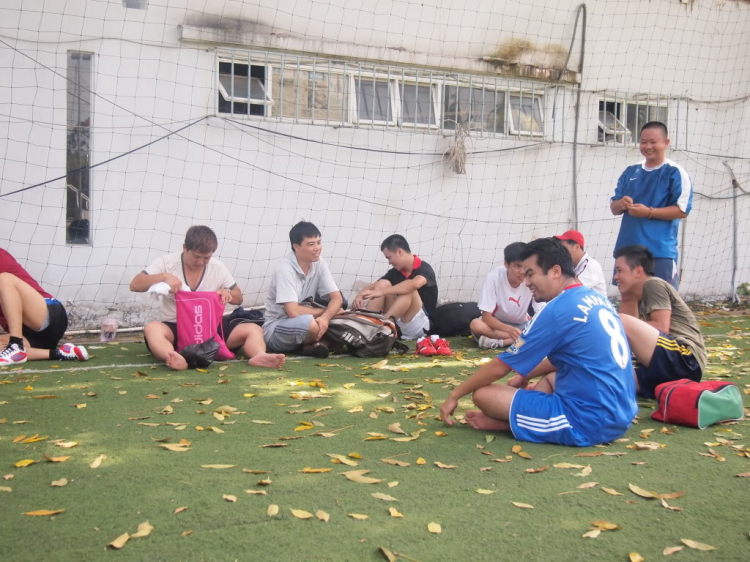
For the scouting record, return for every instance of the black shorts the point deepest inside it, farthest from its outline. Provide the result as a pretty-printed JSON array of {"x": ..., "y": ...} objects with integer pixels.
[
  {"x": 671, "y": 361},
  {"x": 53, "y": 333},
  {"x": 225, "y": 329}
]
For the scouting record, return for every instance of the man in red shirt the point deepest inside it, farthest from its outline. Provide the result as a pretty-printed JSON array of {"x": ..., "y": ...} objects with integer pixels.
[{"x": 34, "y": 319}]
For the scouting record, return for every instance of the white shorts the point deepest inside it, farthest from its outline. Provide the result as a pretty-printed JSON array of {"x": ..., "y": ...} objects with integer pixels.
[{"x": 416, "y": 328}]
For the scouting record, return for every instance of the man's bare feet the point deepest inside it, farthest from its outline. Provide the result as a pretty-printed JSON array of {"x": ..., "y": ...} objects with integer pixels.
[
  {"x": 176, "y": 361},
  {"x": 479, "y": 420},
  {"x": 270, "y": 360}
]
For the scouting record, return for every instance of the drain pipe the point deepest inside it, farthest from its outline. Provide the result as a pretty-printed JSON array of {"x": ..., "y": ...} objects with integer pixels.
[
  {"x": 580, "y": 10},
  {"x": 735, "y": 189}
]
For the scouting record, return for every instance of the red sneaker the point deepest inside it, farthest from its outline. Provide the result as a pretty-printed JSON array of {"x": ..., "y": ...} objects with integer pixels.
[
  {"x": 442, "y": 347},
  {"x": 425, "y": 347}
]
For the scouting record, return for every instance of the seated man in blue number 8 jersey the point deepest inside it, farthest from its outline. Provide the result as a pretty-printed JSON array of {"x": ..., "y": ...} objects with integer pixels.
[{"x": 590, "y": 399}]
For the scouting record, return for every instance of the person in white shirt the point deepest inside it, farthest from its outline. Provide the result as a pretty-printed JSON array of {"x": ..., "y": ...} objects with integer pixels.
[
  {"x": 588, "y": 270},
  {"x": 301, "y": 276},
  {"x": 195, "y": 269},
  {"x": 504, "y": 302}
]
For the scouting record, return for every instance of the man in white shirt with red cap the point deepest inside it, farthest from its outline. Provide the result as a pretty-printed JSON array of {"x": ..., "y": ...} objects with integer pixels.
[{"x": 588, "y": 270}]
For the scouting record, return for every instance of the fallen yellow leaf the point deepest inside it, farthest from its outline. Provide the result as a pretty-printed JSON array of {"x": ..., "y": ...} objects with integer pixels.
[
  {"x": 322, "y": 515},
  {"x": 605, "y": 525},
  {"x": 98, "y": 461},
  {"x": 359, "y": 477},
  {"x": 433, "y": 527},
  {"x": 395, "y": 462},
  {"x": 272, "y": 510},
  {"x": 671, "y": 550},
  {"x": 611, "y": 491},
  {"x": 697, "y": 545},
  {"x": 420, "y": 460},
  {"x": 308, "y": 470},
  {"x": 587, "y": 485},
  {"x": 358, "y": 516},
  {"x": 396, "y": 428},
  {"x": 301, "y": 514},
  {"x": 230, "y": 498},
  {"x": 24, "y": 463},
  {"x": 635, "y": 557},
  {"x": 120, "y": 541},
  {"x": 384, "y": 497},
  {"x": 55, "y": 459},
  {"x": 179, "y": 510},
  {"x": 568, "y": 465},
  {"x": 218, "y": 466},
  {"x": 61, "y": 482},
  {"x": 144, "y": 530},
  {"x": 592, "y": 534},
  {"x": 44, "y": 512},
  {"x": 395, "y": 512},
  {"x": 483, "y": 491},
  {"x": 343, "y": 460},
  {"x": 523, "y": 505},
  {"x": 174, "y": 447},
  {"x": 441, "y": 465}
]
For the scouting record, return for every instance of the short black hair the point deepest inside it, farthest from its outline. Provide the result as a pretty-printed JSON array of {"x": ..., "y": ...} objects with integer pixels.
[
  {"x": 201, "y": 239},
  {"x": 513, "y": 251},
  {"x": 655, "y": 125},
  {"x": 636, "y": 256},
  {"x": 394, "y": 242},
  {"x": 550, "y": 252},
  {"x": 302, "y": 230}
]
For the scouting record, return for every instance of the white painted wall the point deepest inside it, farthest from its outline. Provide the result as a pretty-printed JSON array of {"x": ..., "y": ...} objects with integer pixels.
[{"x": 250, "y": 186}]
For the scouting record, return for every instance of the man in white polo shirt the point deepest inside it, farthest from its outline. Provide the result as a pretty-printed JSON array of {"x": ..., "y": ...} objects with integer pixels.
[
  {"x": 588, "y": 270},
  {"x": 194, "y": 269},
  {"x": 301, "y": 276},
  {"x": 504, "y": 302}
]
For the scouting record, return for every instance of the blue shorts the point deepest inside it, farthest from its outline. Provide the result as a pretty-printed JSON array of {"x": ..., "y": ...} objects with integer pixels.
[
  {"x": 671, "y": 361},
  {"x": 542, "y": 418},
  {"x": 288, "y": 333}
]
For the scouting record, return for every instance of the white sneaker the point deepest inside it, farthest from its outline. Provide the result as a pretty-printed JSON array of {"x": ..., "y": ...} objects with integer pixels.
[
  {"x": 486, "y": 342},
  {"x": 70, "y": 352},
  {"x": 12, "y": 355}
]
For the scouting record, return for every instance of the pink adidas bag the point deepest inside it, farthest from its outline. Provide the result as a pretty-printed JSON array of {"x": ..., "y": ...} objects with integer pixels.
[{"x": 199, "y": 316}]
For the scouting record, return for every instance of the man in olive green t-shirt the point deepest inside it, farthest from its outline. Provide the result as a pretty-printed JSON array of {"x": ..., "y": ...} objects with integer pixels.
[{"x": 662, "y": 331}]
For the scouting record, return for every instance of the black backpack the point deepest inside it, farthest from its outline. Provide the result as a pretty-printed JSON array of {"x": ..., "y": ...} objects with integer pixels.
[
  {"x": 453, "y": 319},
  {"x": 364, "y": 333}
]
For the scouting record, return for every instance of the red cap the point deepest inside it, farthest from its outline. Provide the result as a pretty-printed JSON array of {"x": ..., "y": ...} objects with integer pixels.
[{"x": 573, "y": 235}]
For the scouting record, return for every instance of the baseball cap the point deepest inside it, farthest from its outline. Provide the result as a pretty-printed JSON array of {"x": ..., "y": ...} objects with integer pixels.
[{"x": 573, "y": 235}]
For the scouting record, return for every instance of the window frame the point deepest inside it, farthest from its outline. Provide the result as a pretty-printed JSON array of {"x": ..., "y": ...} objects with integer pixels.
[
  {"x": 511, "y": 124},
  {"x": 435, "y": 99},
  {"x": 627, "y": 104},
  {"x": 356, "y": 80},
  {"x": 267, "y": 104},
  {"x": 346, "y": 109},
  {"x": 471, "y": 87}
]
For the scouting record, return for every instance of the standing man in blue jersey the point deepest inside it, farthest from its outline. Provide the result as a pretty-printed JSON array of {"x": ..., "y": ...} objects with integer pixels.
[
  {"x": 653, "y": 196},
  {"x": 591, "y": 397}
]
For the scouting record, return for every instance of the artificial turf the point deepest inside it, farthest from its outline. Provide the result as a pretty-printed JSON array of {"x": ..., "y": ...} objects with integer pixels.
[{"x": 139, "y": 481}]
